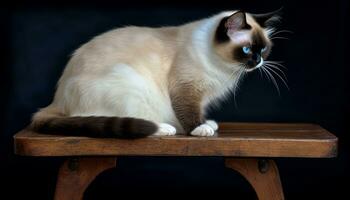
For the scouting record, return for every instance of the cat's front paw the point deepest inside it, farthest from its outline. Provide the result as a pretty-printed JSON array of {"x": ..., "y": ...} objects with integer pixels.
[
  {"x": 165, "y": 129},
  {"x": 213, "y": 124},
  {"x": 203, "y": 130}
]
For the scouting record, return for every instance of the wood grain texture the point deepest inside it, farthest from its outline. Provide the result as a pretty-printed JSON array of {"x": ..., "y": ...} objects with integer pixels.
[
  {"x": 267, "y": 184},
  {"x": 76, "y": 174},
  {"x": 233, "y": 139}
]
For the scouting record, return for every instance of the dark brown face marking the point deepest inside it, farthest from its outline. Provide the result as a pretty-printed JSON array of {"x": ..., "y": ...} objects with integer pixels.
[
  {"x": 259, "y": 48},
  {"x": 231, "y": 49}
]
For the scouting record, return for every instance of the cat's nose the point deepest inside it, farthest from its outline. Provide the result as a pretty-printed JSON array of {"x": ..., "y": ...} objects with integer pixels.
[{"x": 257, "y": 58}]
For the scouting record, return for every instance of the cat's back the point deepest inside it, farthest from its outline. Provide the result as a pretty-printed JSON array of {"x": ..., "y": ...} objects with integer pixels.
[
  {"x": 141, "y": 47},
  {"x": 139, "y": 33},
  {"x": 132, "y": 37}
]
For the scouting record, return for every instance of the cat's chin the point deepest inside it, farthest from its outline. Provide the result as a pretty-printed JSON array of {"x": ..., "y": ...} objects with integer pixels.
[
  {"x": 251, "y": 69},
  {"x": 261, "y": 63}
]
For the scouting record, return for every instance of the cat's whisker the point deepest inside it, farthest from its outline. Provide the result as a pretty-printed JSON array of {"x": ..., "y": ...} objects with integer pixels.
[
  {"x": 260, "y": 72},
  {"x": 274, "y": 61},
  {"x": 284, "y": 81},
  {"x": 273, "y": 80},
  {"x": 240, "y": 75},
  {"x": 266, "y": 74},
  {"x": 231, "y": 76},
  {"x": 261, "y": 68},
  {"x": 282, "y": 77},
  {"x": 240, "y": 72},
  {"x": 277, "y": 68},
  {"x": 279, "y": 32},
  {"x": 278, "y": 63},
  {"x": 236, "y": 73},
  {"x": 282, "y": 38}
]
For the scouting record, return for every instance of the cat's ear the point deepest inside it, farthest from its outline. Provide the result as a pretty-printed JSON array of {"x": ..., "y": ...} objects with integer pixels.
[
  {"x": 236, "y": 22},
  {"x": 231, "y": 25},
  {"x": 268, "y": 19}
]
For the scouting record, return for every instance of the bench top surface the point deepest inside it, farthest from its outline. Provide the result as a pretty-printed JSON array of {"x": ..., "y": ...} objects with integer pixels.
[{"x": 233, "y": 139}]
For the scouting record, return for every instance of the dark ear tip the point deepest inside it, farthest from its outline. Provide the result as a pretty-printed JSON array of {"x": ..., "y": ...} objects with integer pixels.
[{"x": 241, "y": 12}]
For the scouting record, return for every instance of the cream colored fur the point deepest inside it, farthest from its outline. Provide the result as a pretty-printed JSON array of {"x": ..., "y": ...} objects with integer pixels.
[{"x": 130, "y": 71}]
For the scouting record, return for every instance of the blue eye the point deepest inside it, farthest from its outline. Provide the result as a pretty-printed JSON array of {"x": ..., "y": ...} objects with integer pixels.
[
  {"x": 263, "y": 49},
  {"x": 246, "y": 49}
]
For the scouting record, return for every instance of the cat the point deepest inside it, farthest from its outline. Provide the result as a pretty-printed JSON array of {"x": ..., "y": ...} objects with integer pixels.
[{"x": 134, "y": 82}]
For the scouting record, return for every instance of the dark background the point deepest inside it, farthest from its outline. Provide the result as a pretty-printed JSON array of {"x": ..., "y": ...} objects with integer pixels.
[{"x": 38, "y": 37}]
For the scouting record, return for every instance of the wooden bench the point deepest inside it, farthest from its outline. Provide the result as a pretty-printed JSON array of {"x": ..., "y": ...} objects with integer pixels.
[{"x": 247, "y": 148}]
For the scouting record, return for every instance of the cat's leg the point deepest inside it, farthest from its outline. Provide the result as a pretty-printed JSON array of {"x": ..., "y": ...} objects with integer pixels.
[{"x": 186, "y": 102}]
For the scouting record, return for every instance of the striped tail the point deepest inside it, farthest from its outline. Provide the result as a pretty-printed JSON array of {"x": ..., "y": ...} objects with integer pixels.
[{"x": 96, "y": 126}]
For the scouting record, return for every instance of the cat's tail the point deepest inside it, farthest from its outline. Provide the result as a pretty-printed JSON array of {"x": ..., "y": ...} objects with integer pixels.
[{"x": 50, "y": 121}]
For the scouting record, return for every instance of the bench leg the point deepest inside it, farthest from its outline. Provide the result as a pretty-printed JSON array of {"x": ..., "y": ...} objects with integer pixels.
[
  {"x": 76, "y": 174},
  {"x": 261, "y": 174}
]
